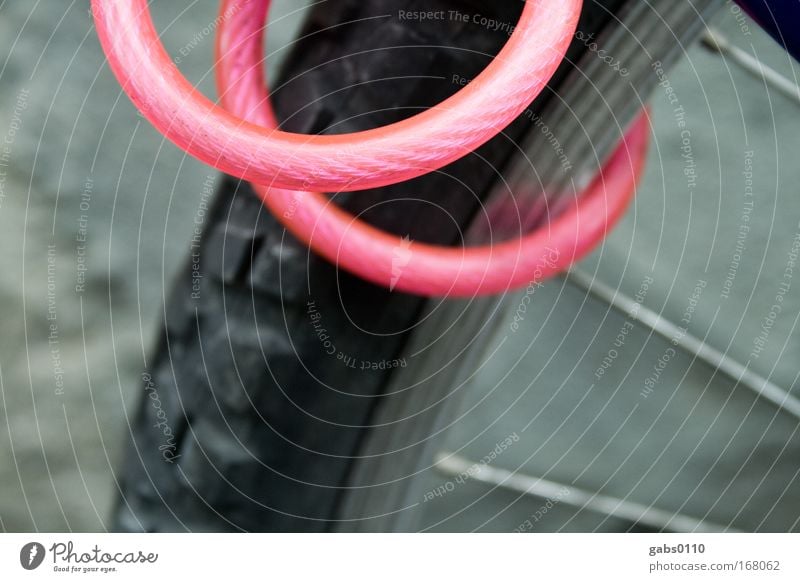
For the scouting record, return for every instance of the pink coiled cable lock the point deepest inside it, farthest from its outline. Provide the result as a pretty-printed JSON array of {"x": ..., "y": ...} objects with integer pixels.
[{"x": 241, "y": 138}]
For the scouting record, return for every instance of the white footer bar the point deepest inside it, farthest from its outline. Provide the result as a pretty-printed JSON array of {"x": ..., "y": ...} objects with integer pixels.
[{"x": 399, "y": 557}]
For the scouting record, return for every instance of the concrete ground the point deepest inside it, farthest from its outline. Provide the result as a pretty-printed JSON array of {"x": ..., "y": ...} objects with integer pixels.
[{"x": 96, "y": 213}]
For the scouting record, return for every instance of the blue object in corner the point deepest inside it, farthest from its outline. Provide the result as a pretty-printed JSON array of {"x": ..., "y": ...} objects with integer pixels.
[{"x": 781, "y": 18}]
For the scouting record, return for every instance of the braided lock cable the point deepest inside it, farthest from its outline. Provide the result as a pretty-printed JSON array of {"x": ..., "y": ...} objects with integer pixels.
[{"x": 241, "y": 137}]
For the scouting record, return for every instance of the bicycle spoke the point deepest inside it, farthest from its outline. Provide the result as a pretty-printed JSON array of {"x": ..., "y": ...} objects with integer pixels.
[
  {"x": 719, "y": 43},
  {"x": 736, "y": 371},
  {"x": 453, "y": 465}
]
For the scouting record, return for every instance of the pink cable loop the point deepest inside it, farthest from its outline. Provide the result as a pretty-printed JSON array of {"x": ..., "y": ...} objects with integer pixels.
[
  {"x": 334, "y": 163},
  {"x": 252, "y": 148},
  {"x": 389, "y": 260}
]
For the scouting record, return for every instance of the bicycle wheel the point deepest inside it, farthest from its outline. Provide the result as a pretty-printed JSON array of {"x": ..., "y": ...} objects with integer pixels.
[{"x": 300, "y": 398}]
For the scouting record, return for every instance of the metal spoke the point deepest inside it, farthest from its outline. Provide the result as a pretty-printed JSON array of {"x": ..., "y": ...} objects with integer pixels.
[
  {"x": 718, "y": 43},
  {"x": 454, "y": 465},
  {"x": 738, "y": 372}
]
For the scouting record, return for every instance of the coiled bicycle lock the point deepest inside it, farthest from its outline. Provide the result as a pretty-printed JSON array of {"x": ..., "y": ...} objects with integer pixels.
[{"x": 241, "y": 137}]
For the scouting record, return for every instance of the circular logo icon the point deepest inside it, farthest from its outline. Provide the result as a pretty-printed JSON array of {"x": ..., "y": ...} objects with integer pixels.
[{"x": 31, "y": 555}]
